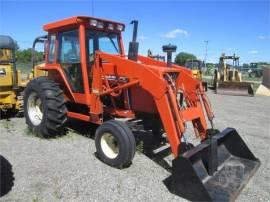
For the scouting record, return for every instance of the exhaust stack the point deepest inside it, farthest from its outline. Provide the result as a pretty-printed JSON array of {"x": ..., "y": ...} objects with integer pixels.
[
  {"x": 169, "y": 49},
  {"x": 134, "y": 45}
]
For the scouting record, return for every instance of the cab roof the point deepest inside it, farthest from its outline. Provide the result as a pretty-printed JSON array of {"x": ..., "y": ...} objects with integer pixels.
[
  {"x": 6, "y": 42},
  {"x": 74, "y": 21}
]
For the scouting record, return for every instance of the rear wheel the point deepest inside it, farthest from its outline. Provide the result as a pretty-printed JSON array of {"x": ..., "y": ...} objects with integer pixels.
[
  {"x": 44, "y": 107},
  {"x": 115, "y": 144}
]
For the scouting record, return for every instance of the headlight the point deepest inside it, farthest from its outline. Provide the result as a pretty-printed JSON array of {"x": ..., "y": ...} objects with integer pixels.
[
  {"x": 120, "y": 28},
  {"x": 110, "y": 26},
  {"x": 100, "y": 25},
  {"x": 2, "y": 72},
  {"x": 93, "y": 22}
]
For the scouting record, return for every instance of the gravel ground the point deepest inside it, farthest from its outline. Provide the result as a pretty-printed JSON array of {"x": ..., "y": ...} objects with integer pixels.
[{"x": 66, "y": 169}]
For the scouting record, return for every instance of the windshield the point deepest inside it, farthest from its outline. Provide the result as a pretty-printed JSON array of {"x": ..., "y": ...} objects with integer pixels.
[
  {"x": 5, "y": 54},
  {"x": 102, "y": 41}
]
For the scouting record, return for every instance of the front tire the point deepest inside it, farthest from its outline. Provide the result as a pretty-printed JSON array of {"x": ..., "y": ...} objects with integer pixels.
[
  {"x": 44, "y": 107},
  {"x": 115, "y": 144}
]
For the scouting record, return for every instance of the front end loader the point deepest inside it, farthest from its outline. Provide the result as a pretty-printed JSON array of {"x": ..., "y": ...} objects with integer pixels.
[
  {"x": 228, "y": 80},
  {"x": 90, "y": 78}
]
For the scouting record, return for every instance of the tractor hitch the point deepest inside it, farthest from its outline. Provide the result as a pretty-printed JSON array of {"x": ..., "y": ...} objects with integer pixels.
[{"x": 215, "y": 170}]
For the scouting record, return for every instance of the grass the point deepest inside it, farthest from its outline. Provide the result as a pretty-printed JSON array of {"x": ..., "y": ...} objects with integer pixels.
[
  {"x": 28, "y": 132},
  {"x": 139, "y": 147},
  {"x": 7, "y": 125},
  {"x": 35, "y": 199}
]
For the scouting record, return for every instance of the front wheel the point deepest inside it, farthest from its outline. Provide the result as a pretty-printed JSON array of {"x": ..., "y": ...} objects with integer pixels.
[{"x": 115, "y": 144}]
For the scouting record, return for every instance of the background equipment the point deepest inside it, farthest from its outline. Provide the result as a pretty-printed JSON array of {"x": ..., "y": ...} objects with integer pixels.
[
  {"x": 196, "y": 67},
  {"x": 156, "y": 57},
  {"x": 89, "y": 78},
  {"x": 255, "y": 70},
  {"x": 11, "y": 85},
  {"x": 228, "y": 78}
]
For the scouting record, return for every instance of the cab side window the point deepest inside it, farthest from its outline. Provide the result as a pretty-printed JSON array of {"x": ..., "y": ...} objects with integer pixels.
[{"x": 51, "y": 48}]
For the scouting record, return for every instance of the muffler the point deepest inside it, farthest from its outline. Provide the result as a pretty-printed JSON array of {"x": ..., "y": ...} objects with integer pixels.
[
  {"x": 235, "y": 88},
  {"x": 215, "y": 170}
]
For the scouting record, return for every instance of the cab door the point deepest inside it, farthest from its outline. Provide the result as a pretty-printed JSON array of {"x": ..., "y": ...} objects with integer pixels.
[{"x": 69, "y": 57}]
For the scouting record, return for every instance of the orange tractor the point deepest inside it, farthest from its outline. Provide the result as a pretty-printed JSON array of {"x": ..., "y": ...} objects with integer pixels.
[{"x": 90, "y": 78}]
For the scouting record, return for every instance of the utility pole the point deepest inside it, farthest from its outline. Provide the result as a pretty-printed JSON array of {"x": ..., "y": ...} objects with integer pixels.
[
  {"x": 205, "y": 56},
  {"x": 92, "y": 5}
]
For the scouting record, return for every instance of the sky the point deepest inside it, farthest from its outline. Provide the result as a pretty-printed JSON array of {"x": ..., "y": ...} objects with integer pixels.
[{"x": 239, "y": 26}]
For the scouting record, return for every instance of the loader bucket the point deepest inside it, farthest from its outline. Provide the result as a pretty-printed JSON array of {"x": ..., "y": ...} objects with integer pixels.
[
  {"x": 235, "y": 88},
  {"x": 215, "y": 170}
]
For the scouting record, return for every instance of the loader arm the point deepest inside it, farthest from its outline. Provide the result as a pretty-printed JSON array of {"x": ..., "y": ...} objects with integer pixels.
[
  {"x": 186, "y": 76},
  {"x": 164, "y": 91}
]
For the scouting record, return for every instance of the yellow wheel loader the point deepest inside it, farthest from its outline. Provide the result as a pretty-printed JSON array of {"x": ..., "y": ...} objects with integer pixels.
[
  {"x": 196, "y": 67},
  {"x": 228, "y": 78},
  {"x": 11, "y": 85}
]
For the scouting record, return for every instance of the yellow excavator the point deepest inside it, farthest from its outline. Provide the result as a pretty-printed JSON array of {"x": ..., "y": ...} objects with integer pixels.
[
  {"x": 228, "y": 79},
  {"x": 11, "y": 84},
  {"x": 196, "y": 67}
]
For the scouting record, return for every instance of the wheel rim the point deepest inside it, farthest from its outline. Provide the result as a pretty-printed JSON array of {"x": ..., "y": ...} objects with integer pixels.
[
  {"x": 109, "y": 145},
  {"x": 34, "y": 109}
]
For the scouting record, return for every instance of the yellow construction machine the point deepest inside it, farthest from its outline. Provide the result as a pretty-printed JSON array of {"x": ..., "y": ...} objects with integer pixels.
[
  {"x": 228, "y": 78},
  {"x": 11, "y": 84},
  {"x": 196, "y": 67}
]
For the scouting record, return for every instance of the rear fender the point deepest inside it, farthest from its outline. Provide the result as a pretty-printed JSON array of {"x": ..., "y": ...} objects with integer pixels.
[{"x": 56, "y": 73}]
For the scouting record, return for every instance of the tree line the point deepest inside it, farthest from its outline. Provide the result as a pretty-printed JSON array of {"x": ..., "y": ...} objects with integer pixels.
[
  {"x": 182, "y": 57},
  {"x": 25, "y": 56}
]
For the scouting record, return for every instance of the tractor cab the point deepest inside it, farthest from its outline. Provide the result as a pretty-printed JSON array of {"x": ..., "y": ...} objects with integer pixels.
[
  {"x": 194, "y": 64},
  {"x": 196, "y": 67},
  {"x": 72, "y": 44},
  {"x": 8, "y": 68},
  {"x": 7, "y": 50}
]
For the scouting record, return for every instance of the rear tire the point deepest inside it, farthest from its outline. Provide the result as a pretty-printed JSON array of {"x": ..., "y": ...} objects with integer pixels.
[
  {"x": 6, "y": 176},
  {"x": 44, "y": 107},
  {"x": 115, "y": 144}
]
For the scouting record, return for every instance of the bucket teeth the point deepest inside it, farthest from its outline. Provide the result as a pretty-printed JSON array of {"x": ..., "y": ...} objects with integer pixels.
[{"x": 215, "y": 170}]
